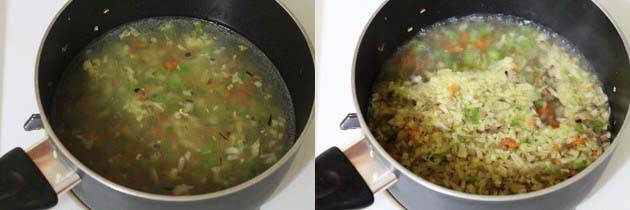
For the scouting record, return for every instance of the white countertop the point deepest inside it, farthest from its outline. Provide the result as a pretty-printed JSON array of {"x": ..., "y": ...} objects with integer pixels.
[
  {"x": 22, "y": 26},
  {"x": 339, "y": 26}
]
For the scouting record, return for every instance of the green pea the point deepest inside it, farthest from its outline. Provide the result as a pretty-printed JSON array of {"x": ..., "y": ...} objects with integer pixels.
[
  {"x": 486, "y": 30},
  {"x": 473, "y": 115},
  {"x": 471, "y": 179},
  {"x": 175, "y": 81},
  {"x": 598, "y": 124},
  {"x": 207, "y": 152},
  {"x": 198, "y": 24},
  {"x": 474, "y": 35},
  {"x": 184, "y": 69},
  {"x": 493, "y": 55},
  {"x": 452, "y": 36},
  {"x": 469, "y": 57},
  {"x": 539, "y": 103},
  {"x": 579, "y": 128},
  {"x": 455, "y": 66},
  {"x": 253, "y": 168},
  {"x": 551, "y": 170},
  {"x": 581, "y": 165},
  {"x": 515, "y": 122}
]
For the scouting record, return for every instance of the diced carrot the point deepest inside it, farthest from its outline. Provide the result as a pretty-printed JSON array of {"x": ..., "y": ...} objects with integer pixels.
[
  {"x": 455, "y": 48},
  {"x": 594, "y": 153},
  {"x": 226, "y": 95},
  {"x": 204, "y": 101},
  {"x": 408, "y": 62},
  {"x": 532, "y": 122},
  {"x": 135, "y": 43},
  {"x": 464, "y": 38},
  {"x": 578, "y": 141},
  {"x": 395, "y": 154},
  {"x": 383, "y": 104},
  {"x": 555, "y": 147},
  {"x": 170, "y": 64},
  {"x": 244, "y": 93},
  {"x": 482, "y": 43},
  {"x": 452, "y": 88},
  {"x": 509, "y": 143},
  {"x": 406, "y": 121},
  {"x": 167, "y": 50},
  {"x": 246, "y": 101},
  {"x": 413, "y": 139},
  {"x": 518, "y": 69},
  {"x": 213, "y": 83},
  {"x": 544, "y": 111}
]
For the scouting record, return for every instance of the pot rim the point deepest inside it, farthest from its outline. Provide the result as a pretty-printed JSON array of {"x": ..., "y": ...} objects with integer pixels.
[
  {"x": 187, "y": 198},
  {"x": 475, "y": 197}
]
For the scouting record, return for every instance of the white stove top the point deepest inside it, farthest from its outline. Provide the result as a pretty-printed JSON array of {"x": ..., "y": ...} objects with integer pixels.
[
  {"x": 22, "y": 26},
  {"x": 340, "y": 24}
]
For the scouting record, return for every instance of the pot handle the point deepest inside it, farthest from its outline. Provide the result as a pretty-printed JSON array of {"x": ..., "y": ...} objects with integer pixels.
[
  {"x": 22, "y": 184},
  {"x": 349, "y": 179},
  {"x": 338, "y": 185}
]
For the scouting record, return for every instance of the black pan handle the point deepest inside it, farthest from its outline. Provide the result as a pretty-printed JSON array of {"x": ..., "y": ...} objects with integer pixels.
[
  {"x": 22, "y": 184},
  {"x": 338, "y": 185}
]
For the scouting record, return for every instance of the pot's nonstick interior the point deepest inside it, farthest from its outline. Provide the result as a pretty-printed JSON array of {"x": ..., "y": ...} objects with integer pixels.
[
  {"x": 264, "y": 23},
  {"x": 579, "y": 21}
]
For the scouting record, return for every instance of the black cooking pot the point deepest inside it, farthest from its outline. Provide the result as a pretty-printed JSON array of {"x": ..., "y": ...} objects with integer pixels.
[
  {"x": 32, "y": 180},
  {"x": 347, "y": 179}
]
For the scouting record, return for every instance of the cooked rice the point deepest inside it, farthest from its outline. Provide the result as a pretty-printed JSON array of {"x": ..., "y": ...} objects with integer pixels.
[{"x": 479, "y": 131}]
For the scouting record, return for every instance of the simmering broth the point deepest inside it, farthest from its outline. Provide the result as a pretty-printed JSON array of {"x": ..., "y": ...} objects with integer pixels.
[{"x": 174, "y": 106}]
